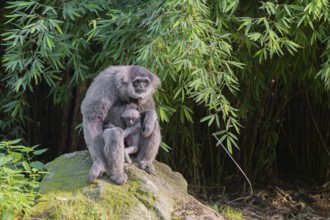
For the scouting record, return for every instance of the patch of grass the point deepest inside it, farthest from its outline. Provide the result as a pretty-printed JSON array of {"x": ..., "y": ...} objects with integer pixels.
[
  {"x": 231, "y": 213},
  {"x": 228, "y": 212}
]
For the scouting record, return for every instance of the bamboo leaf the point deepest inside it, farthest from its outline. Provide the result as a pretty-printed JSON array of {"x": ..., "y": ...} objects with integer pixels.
[{"x": 49, "y": 42}]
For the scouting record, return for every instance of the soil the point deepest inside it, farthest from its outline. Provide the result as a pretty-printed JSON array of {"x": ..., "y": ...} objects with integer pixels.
[{"x": 282, "y": 201}]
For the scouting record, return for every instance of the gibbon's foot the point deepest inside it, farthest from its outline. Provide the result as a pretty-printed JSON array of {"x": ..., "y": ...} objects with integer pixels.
[
  {"x": 119, "y": 178},
  {"x": 91, "y": 178},
  {"x": 147, "y": 166},
  {"x": 127, "y": 159},
  {"x": 95, "y": 172}
]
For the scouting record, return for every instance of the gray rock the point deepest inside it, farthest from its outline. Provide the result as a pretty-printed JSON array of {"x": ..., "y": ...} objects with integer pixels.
[{"x": 163, "y": 195}]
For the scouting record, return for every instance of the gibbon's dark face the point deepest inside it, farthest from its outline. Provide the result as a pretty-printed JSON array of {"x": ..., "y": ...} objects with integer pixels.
[
  {"x": 140, "y": 87},
  {"x": 141, "y": 84},
  {"x": 131, "y": 115}
]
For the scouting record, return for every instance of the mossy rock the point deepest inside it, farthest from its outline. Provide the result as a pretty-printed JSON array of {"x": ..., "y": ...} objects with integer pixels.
[{"x": 163, "y": 195}]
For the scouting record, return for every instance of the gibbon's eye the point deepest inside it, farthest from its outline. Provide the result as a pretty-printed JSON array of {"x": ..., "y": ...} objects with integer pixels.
[
  {"x": 145, "y": 82},
  {"x": 136, "y": 83}
]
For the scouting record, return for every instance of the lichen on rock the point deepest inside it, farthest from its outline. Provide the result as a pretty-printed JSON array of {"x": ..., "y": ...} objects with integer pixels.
[{"x": 163, "y": 195}]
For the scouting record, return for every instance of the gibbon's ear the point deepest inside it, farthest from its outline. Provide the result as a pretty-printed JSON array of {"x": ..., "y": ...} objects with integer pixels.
[
  {"x": 156, "y": 81},
  {"x": 124, "y": 81}
]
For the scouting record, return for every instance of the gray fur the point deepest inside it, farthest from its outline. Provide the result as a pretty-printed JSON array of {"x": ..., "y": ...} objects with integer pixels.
[{"x": 110, "y": 90}]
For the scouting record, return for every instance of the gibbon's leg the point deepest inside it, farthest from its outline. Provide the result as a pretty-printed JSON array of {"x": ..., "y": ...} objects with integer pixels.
[
  {"x": 114, "y": 154},
  {"x": 94, "y": 141}
]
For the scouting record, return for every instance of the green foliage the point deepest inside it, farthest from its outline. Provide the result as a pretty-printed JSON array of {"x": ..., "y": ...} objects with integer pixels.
[
  {"x": 19, "y": 178},
  {"x": 186, "y": 50},
  {"x": 222, "y": 63},
  {"x": 41, "y": 46},
  {"x": 288, "y": 42}
]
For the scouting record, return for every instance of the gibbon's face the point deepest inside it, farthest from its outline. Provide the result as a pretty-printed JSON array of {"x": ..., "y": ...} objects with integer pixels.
[
  {"x": 130, "y": 121},
  {"x": 130, "y": 116},
  {"x": 141, "y": 84},
  {"x": 140, "y": 87}
]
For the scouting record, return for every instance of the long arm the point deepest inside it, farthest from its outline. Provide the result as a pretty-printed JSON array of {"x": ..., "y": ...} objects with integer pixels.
[
  {"x": 149, "y": 118},
  {"x": 94, "y": 112}
]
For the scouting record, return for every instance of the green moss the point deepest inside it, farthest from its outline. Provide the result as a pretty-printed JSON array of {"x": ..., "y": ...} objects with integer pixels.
[
  {"x": 89, "y": 203},
  {"x": 67, "y": 173},
  {"x": 144, "y": 196}
]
